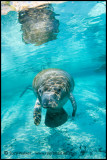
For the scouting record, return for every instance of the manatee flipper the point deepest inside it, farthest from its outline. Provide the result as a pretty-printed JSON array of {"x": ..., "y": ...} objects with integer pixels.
[
  {"x": 55, "y": 117},
  {"x": 74, "y": 105},
  {"x": 37, "y": 113},
  {"x": 28, "y": 87}
]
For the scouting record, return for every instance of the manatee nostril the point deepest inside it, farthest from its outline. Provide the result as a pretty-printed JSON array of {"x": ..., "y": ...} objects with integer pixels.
[{"x": 45, "y": 103}]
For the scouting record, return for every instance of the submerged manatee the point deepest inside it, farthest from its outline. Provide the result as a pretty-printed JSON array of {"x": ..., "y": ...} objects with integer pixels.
[{"x": 53, "y": 88}]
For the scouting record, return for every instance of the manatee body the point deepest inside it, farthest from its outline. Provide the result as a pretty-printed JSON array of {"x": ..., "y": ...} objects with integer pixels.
[{"x": 53, "y": 88}]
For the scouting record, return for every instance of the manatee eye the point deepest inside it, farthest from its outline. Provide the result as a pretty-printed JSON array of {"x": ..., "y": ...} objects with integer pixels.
[
  {"x": 46, "y": 89},
  {"x": 59, "y": 90},
  {"x": 21, "y": 14},
  {"x": 40, "y": 91}
]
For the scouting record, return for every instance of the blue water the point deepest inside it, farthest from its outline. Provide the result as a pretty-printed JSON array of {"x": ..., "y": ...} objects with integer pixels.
[{"x": 80, "y": 49}]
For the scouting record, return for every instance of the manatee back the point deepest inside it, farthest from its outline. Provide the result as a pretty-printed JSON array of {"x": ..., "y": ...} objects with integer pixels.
[{"x": 51, "y": 76}]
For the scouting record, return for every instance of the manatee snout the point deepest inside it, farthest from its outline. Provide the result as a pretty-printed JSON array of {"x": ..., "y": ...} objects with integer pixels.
[{"x": 49, "y": 100}]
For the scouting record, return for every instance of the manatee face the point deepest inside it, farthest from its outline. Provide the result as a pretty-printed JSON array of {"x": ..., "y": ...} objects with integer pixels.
[
  {"x": 52, "y": 97},
  {"x": 49, "y": 100}
]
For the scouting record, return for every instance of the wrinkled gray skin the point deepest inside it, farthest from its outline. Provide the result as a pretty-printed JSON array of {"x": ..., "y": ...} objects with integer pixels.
[{"x": 53, "y": 88}]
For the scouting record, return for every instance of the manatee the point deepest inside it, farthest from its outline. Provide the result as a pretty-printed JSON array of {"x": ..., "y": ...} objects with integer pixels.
[
  {"x": 53, "y": 88},
  {"x": 38, "y": 24}
]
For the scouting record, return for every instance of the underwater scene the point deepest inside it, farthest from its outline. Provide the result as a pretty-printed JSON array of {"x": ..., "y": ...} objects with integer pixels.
[{"x": 53, "y": 81}]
